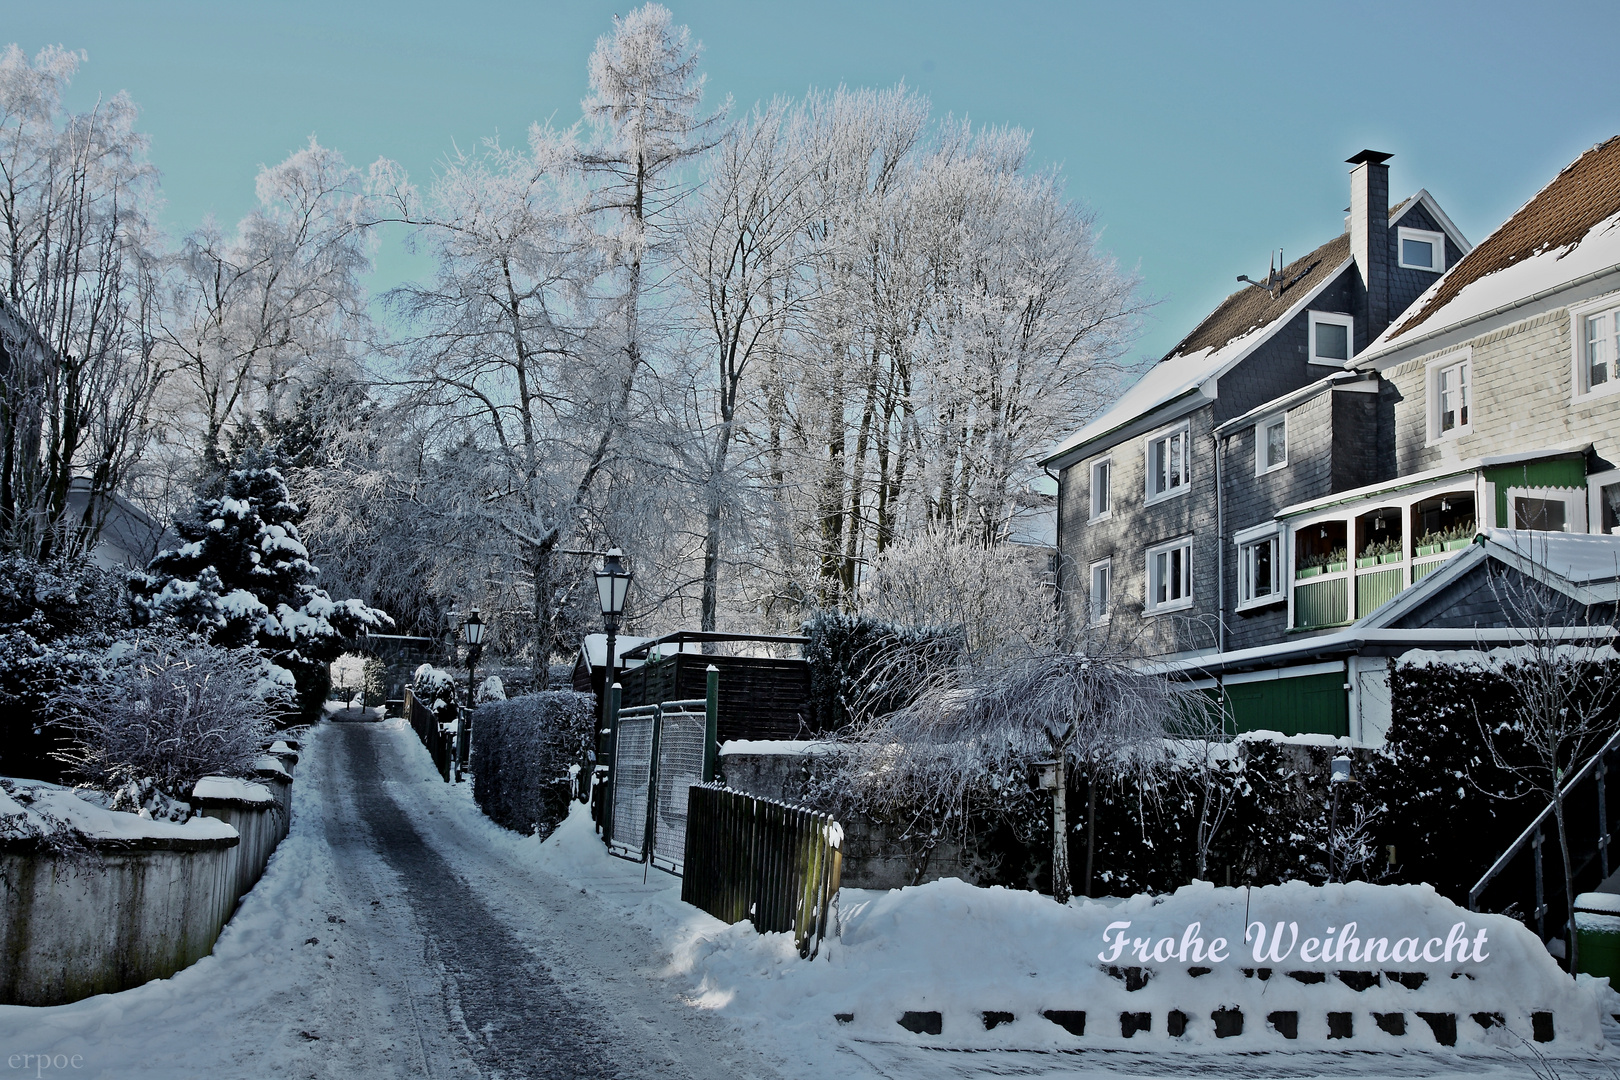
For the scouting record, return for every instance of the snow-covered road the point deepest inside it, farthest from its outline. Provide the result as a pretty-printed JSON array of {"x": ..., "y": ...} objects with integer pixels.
[{"x": 398, "y": 933}]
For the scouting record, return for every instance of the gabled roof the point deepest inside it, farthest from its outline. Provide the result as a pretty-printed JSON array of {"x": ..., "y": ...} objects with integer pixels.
[
  {"x": 1242, "y": 321},
  {"x": 1568, "y": 231}
]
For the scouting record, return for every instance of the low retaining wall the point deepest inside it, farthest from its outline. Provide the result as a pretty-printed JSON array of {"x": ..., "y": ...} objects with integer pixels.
[{"x": 127, "y": 900}]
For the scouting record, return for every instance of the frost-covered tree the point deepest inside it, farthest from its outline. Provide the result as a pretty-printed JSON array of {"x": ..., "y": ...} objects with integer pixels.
[
  {"x": 77, "y": 302},
  {"x": 254, "y": 316},
  {"x": 243, "y": 578}
]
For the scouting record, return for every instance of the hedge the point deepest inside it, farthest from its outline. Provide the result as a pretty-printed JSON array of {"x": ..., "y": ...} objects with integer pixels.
[{"x": 522, "y": 751}]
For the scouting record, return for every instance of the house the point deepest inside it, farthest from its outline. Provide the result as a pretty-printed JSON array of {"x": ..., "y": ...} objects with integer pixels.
[
  {"x": 1359, "y": 514},
  {"x": 1141, "y": 524}
]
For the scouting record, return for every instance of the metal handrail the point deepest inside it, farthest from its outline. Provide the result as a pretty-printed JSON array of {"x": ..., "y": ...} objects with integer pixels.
[{"x": 1535, "y": 826}]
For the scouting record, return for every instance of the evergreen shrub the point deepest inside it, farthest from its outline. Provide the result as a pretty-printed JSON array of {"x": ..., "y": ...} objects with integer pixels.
[
  {"x": 859, "y": 666},
  {"x": 522, "y": 752}
]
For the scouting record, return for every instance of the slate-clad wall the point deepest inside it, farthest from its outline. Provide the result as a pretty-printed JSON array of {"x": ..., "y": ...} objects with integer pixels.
[
  {"x": 1131, "y": 529},
  {"x": 1521, "y": 400},
  {"x": 1405, "y": 286}
]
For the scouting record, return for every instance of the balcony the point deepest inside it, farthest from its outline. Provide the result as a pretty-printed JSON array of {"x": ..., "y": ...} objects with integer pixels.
[{"x": 1347, "y": 567}]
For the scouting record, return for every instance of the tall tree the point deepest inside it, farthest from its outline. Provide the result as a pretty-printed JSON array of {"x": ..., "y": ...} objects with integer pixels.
[{"x": 77, "y": 283}]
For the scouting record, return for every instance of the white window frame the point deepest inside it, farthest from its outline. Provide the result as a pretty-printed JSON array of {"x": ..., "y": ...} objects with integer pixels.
[
  {"x": 1183, "y": 429},
  {"x": 1595, "y": 483},
  {"x": 1270, "y": 533},
  {"x": 1331, "y": 318},
  {"x": 1185, "y": 600},
  {"x": 1097, "y": 466},
  {"x": 1575, "y": 502},
  {"x": 1606, "y": 307},
  {"x": 1098, "y": 614},
  {"x": 1431, "y": 391},
  {"x": 1261, "y": 431},
  {"x": 1438, "y": 239}
]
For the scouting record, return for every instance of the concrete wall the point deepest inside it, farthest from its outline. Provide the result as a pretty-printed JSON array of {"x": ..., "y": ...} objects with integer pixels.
[{"x": 114, "y": 914}]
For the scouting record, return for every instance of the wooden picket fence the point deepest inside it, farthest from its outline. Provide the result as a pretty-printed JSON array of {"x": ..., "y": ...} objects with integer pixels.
[
  {"x": 425, "y": 723},
  {"x": 757, "y": 859}
]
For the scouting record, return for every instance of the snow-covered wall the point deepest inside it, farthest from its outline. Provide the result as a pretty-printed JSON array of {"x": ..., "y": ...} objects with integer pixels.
[{"x": 98, "y": 901}]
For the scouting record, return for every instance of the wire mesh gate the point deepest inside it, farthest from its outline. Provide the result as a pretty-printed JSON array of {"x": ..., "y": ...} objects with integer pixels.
[
  {"x": 659, "y": 751},
  {"x": 682, "y": 734},
  {"x": 632, "y": 767}
]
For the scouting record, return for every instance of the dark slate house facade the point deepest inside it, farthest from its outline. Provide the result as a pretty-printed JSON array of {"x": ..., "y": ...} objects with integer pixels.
[
  {"x": 1259, "y": 386},
  {"x": 1358, "y": 513}
]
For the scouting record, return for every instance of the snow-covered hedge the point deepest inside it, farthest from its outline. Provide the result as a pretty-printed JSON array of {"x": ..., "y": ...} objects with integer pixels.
[
  {"x": 522, "y": 752},
  {"x": 861, "y": 666}
]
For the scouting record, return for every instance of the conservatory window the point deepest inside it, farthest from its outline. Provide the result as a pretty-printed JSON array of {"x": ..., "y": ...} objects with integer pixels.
[
  {"x": 1168, "y": 467},
  {"x": 1169, "y": 576}
]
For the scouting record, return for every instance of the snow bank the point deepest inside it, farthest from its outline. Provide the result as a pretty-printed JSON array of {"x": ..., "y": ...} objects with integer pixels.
[
  {"x": 770, "y": 747},
  {"x": 965, "y": 952},
  {"x": 33, "y": 809}
]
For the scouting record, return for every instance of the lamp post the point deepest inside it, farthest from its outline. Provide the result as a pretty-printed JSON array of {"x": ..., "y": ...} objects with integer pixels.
[
  {"x": 1343, "y": 773},
  {"x": 612, "y": 586},
  {"x": 473, "y": 628}
]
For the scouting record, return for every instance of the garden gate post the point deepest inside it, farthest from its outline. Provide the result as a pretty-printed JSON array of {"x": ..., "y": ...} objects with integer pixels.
[
  {"x": 652, "y": 787},
  {"x": 614, "y": 697},
  {"x": 711, "y": 728}
]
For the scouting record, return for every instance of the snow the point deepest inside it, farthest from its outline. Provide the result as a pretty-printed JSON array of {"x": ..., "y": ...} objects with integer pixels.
[
  {"x": 321, "y": 971},
  {"x": 768, "y": 747},
  {"x": 1580, "y": 558},
  {"x": 268, "y": 763},
  {"x": 34, "y": 808},
  {"x": 1597, "y": 251},
  {"x": 229, "y": 787},
  {"x": 1501, "y": 658},
  {"x": 595, "y": 646}
]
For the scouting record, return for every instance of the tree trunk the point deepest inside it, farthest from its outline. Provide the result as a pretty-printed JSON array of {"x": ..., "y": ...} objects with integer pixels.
[
  {"x": 1061, "y": 890},
  {"x": 1091, "y": 827},
  {"x": 1569, "y": 878}
]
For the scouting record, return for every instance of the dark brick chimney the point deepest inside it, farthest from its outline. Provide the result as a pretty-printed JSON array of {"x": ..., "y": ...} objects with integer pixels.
[{"x": 1369, "y": 240}]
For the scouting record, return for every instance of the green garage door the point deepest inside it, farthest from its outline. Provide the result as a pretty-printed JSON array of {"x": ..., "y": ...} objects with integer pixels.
[{"x": 1307, "y": 705}]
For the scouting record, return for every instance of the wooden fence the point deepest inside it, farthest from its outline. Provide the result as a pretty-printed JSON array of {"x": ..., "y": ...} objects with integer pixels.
[
  {"x": 425, "y": 722},
  {"x": 753, "y": 858}
]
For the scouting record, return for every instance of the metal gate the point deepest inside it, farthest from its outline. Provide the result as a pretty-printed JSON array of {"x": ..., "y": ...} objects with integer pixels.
[
  {"x": 682, "y": 735},
  {"x": 633, "y": 770}
]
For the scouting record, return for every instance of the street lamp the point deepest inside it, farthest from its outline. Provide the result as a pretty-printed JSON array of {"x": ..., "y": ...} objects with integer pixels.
[
  {"x": 612, "y": 585},
  {"x": 1342, "y": 773},
  {"x": 473, "y": 628}
]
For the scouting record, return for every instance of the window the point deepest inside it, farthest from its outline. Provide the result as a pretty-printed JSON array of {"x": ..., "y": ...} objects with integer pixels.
[
  {"x": 1270, "y": 444},
  {"x": 1169, "y": 576},
  {"x": 1603, "y": 501},
  {"x": 1259, "y": 579},
  {"x": 1331, "y": 338},
  {"x": 1548, "y": 509},
  {"x": 1450, "y": 396},
  {"x": 1168, "y": 468},
  {"x": 1421, "y": 250},
  {"x": 1102, "y": 589},
  {"x": 1596, "y": 330},
  {"x": 1102, "y": 496}
]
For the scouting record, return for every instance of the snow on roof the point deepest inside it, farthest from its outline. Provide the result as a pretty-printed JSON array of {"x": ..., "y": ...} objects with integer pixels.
[
  {"x": 595, "y": 649},
  {"x": 1579, "y": 558},
  {"x": 1568, "y": 231},
  {"x": 1243, "y": 320},
  {"x": 229, "y": 787}
]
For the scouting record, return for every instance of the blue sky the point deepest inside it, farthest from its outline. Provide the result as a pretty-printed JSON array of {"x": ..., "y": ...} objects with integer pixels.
[{"x": 1202, "y": 134}]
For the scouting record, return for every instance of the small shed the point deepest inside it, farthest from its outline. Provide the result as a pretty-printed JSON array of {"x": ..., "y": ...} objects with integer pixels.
[{"x": 764, "y": 680}]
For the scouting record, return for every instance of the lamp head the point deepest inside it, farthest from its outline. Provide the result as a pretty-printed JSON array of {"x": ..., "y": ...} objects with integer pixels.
[
  {"x": 613, "y": 585},
  {"x": 474, "y": 628}
]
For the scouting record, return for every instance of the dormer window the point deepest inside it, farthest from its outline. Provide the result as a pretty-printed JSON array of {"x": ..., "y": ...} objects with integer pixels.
[
  {"x": 1418, "y": 249},
  {"x": 1331, "y": 336}
]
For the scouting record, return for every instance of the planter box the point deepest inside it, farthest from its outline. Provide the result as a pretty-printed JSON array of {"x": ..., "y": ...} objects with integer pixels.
[
  {"x": 1308, "y": 572},
  {"x": 1458, "y": 545},
  {"x": 1393, "y": 557},
  {"x": 1337, "y": 567},
  {"x": 1430, "y": 549},
  {"x": 1368, "y": 560}
]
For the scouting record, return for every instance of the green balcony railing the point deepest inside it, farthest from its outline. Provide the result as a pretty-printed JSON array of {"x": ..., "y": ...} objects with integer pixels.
[
  {"x": 1377, "y": 587},
  {"x": 1321, "y": 603}
]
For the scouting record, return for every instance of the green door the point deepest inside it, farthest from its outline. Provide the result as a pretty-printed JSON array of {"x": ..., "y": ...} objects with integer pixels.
[{"x": 1305, "y": 705}]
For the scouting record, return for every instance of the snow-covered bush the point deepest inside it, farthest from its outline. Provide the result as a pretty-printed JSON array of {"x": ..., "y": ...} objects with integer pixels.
[
  {"x": 430, "y": 684},
  {"x": 860, "y": 667},
  {"x": 168, "y": 712},
  {"x": 243, "y": 578},
  {"x": 491, "y": 689},
  {"x": 56, "y": 621},
  {"x": 522, "y": 751}
]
